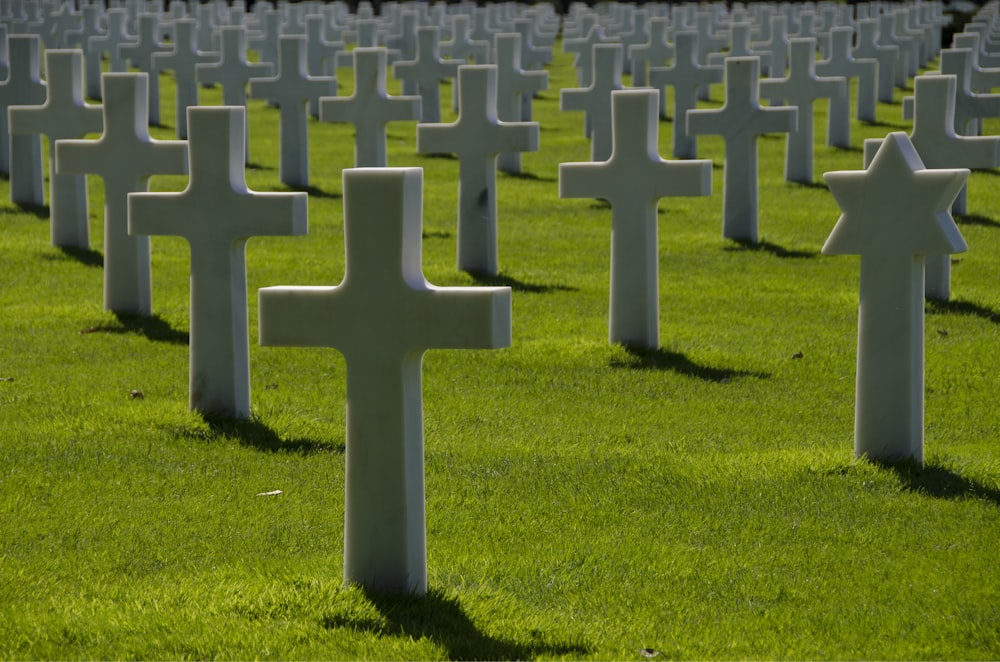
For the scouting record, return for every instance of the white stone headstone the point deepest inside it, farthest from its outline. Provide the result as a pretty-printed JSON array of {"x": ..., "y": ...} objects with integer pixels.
[
  {"x": 476, "y": 138},
  {"x": 868, "y": 47},
  {"x": 513, "y": 85},
  {"x": 383, "y": 317},
  {"x": 218, "y": 214},
  {"x": 140, "y": 53},
  {"x": 685, "y": 76},
  {"x": 370, "y": 107},
  {"x": 595, "y": 99},
  {"x": 322, "y": 54},
  {"x": 894, "y": 213},
  {"x": 91, "y": 26},
  {"x": 64, "y": 114},
  {"x": 291, "y": 89},
  {"x": 655, "y": 52},
  {"x": 108, "y": 43},
  {"x": 125, "y": 157},
  {"x": 182, "y": 59},
  {"x": 425, "y": 71},
  {"x": 843, "y": 63},
  {"x": 21, "y": 154},
  {"x": 633, "y": 180},
  {"x": 740, "y": 122}
]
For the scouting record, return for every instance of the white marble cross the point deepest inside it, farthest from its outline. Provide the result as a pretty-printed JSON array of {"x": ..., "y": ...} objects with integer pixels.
[
  {"x": 140, "y": 53},
  {"x": 64, "y": 114},
  {"x": 291, "y": 89},
  {"x": 800, "y": 88},
  {"x": 595, "y": 99},
  {"x": 654, "y": 53},
  {"x": 867, "y": 47},
  {"x": 125, "y": 157},
  {"x": 894, "y": 213},
  {"x": 970, "y": 107},
  {"x": 182, "y": 59},
  {"x": 461, "y": 46},
  {"x": 91, "y": 26},
  {"x": 405, "y": 42},
  {"x": 425, "y": 71},
  {"x": 633, "y": 180},
  {"x": 383, "y": 317},
  {"x": 740, "y": 122},
  {"x": 322, "y": 54},
  {"x": 582, "y": 49},
  {"x": 843, "y": 63},
  {"x": 939, "y": 147},
  {"x": 370, "y": 107},
  {"x": 685, "y": 75},
  {"x": 115, "y": 35},
  {"x": 233, "y": 71},
  {"x": 775, "y": 44},
  {"x": 218, "y": 214},
  {"x": 513, "y": 85},
  {"x": 21, "y": 155},
  {"x": 476, "y": 137}
]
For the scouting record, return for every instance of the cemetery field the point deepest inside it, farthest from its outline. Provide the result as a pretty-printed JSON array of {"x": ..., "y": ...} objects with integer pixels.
[{"x": 584, "y": 500}]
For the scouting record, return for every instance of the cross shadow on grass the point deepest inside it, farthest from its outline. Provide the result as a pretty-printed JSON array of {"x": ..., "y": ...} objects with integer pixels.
[
  {"x": 443, "y": 621},
  {"x": 742, "y": 245},
  {"x": 977, "y": 219},
  {"x": 312, "y": 190},
  {"x": 88, "y": 257},
  {"x": 256, "y": 434},
  {"x": 962, "y": 307},
  {"x": 940, "y": 482},
  {"x": 530, "y": 176},
  {"x": 501, "y": 280},
  {"x": 821, "y": 186},
  {"x": 41, "y": 212},
  {"x": 154, "y": 328},
  {"x": 643, "y": 358}
]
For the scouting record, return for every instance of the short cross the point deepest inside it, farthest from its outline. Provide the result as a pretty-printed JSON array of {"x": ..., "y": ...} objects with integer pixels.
[
  {"x": 800, "y": 88},
  {"x": 369, "y": 107},
  {"x": 685, "y": 75},
  {"x": 740, "y": 121},
  {"x": 90, "y": 27},
  {"x": 265, "y": 42},
  {"x": 461, "y": 47},
  {"x": 940, "y": 147},
  {"x": 383, "y": 317},
  {"x": 969, "y": 106},
  {"x": 654, "y": 53},
  {"x": 182, "y": 59},
  {"x": 21, "y": 155},
  {"x": 595, "y": 100},
  {"x": 291, "y": 90},
  {"x": 405, "y": 41},
  {"x": 64, "y": 114},
  {"x": 233, "y": 71},
  {"x": 867, "y": 47},
  {"x": 476, "y": 137},
  {"x": 775, "y": 45},
  {"x": 425, "y": 71},
  {"x": 116, "y": 35},
  {"x": 140, "y": 54},
  {"x": 321, "y": 54},
  {"x": 513, "y": 84},
  {"x": 843, "y": 63},
  {"x": 894, "y": 213},
  {"x": 582, "y": 49},
  {"x": 124, "y": 157},
  {"x": 217, "y": 214},
  {"x": 633, "y": 180}
]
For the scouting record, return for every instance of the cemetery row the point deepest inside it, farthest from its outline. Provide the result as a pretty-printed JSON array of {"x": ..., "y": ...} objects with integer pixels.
[{"x": 384, "y": 314}]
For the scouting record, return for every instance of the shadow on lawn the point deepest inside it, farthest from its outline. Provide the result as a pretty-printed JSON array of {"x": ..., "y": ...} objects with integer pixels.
[
  {"x": 641, "y": 358},
  {"x": 530, "y": 176},
  {"x": 500, "y": 280},
  {"x": 443, "y": 621},
  {"x": 88, "y": 257},
  {"x": 963, "y": 307},
  {"x": 256, "y": 434},
  {"x": 153, "y": 327},
  {"x": 977, "y": 219},
  {"x": 940, "y": 482},
  {"x": 743, "y": 245}
]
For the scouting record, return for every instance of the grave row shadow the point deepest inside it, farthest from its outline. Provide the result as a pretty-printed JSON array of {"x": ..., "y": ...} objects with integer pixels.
[
  {"x": 642, "y": 358},
  {"x": 443, "y": 621},
  {"x": 254, "y": 433},
  {"x": 940, "y": 482}
]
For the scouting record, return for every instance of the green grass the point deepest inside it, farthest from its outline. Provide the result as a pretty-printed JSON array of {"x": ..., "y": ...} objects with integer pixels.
[{"x": 583, "y": 500}]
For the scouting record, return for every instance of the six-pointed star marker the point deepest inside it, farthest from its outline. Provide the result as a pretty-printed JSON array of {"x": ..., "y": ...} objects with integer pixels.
[{"x": 895, "y": 205}]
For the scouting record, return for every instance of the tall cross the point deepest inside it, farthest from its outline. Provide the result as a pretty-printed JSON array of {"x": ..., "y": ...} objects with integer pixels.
[
  {"x": 21, "y": 155},
  {"x": 685, "y": 75},
  {"x": 425, "y": 72},
  {"x": 970, "y": 107},
  {"x": 940, "y": 147},
  {"x": 894, "y": 213},
  {"x": 843, "y": 63},
  {"x": 382, "y": 317},
  {"x": 125, "y": 157},
  {"x": 90, "y": 26},
  {"x": 740, "y": 121},
  {"x": 140, "y": 53},
  {"x": 291, "y": 90},
  {"x": 633, "y": 180},
  {"x": 115, "y": 35},
  {"x": 182, "y": 59},
  {"x": 513, "y": 85},
  {"x": 800, "y": 88},
  {"x": 64, "y": 114},
  {"x": 217, "y": 214},
  {"x": 370, "y": 107},
  {"x": 321, "y": 54},
  {"x": 476, "y": 137},
  {"x": 595, "y": 99},
  {"x": 654, "y": 53}
]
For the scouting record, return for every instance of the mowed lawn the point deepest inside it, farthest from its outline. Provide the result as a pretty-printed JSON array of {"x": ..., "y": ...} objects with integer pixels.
[{"x": 584, "y": 500}]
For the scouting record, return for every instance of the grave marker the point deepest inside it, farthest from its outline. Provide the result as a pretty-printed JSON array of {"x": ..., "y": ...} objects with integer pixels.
[
  {"x": 513, "y": 84},
  {"x": 125, "y": 157},
  {"x": 476, "y": 137},
  {"x": 633, "y": 180},
  {"x": 868, "y": 47},
  {"x": 842, "y": 63},
  {"x": 64, "y": 114},
  {"x": 291, "y": 89},
  {"x": 108, "y": 43},
  {"x": 740, "y": 121},
  {"x": 369, "y": 107},
  {"x": 218, "y": 214},
  {"x": 425, "y": 72},
  {"x": 183, "y": 57},
  {"x": 894, "y": 213},
  {"x": 383, "y": 317},
  {"x": 595, "y": 100},
  {"x": 654, "y": 53},
  {"x": 21, "y": 155},
  {"x": 140, "y": 53}
]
